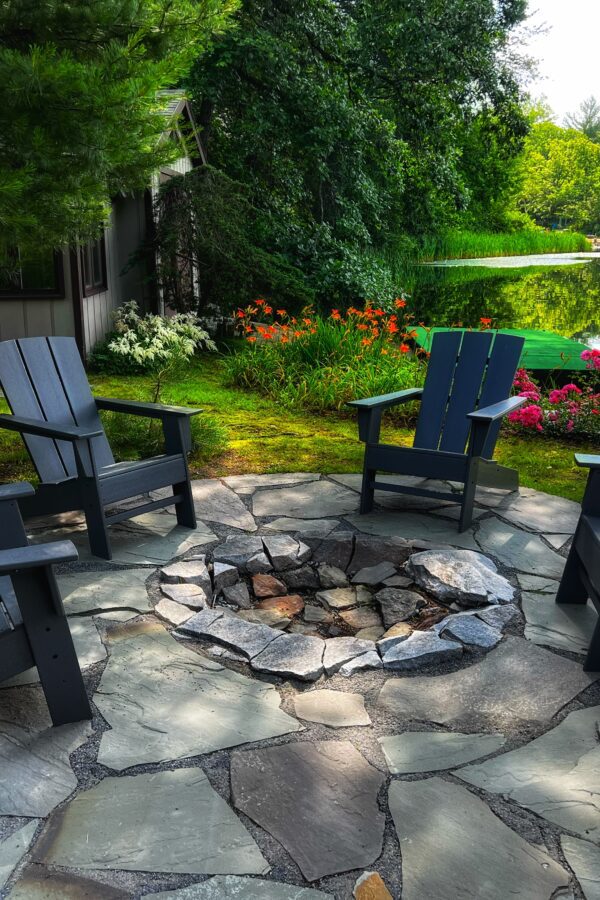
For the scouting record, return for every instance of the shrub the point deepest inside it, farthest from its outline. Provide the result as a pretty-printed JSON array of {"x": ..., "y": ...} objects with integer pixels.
[
  {"x": 320, "y": 362},
  {"x": 569, "y": 410},
  {"x": 149, "y": 343}
]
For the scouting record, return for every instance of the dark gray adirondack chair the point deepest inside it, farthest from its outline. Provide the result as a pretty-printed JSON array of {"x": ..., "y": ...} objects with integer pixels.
[
  {"x": 47, "y": 390},
  {"x": 465, "y": 396},
  {"x": 581, "y": 577},
  {"x": 33, "y": 627}
]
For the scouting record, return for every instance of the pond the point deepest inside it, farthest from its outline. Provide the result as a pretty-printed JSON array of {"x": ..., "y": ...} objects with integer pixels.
[{"x": 561, "y": 295}]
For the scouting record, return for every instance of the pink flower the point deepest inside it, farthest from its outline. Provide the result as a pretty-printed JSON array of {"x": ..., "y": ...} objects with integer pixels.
[{"x": 570, "y": 425}]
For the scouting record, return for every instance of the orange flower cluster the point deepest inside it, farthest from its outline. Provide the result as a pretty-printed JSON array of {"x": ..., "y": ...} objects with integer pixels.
[{"x": 389, "y": 331}]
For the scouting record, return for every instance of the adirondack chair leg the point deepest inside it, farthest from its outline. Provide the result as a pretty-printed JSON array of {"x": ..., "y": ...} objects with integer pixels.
[
  {"x": 592, "y": 660},
  {"x": 468, "y": 496},
  {"x": 178, "y": 439},
  {"x": 95, "y": 520},
  {"x": 367, "y": 493},
  {"x": 51, "y": 645},
  {"x": 571, "y": 588}
]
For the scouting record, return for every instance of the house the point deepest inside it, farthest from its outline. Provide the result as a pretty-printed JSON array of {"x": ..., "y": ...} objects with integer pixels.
[{"x": 73, "y": 292}]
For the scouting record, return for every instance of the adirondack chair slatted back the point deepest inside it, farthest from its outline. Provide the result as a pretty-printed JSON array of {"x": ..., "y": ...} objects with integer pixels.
[
  {"x": 44, "y": 379},
  {"x": 467, "y": 371}
]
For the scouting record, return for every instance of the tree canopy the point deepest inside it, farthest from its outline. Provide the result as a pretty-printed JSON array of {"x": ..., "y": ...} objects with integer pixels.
[
  {"x": 560, "y": 171},
  {"x": 586, "y": 119},
  {"x": 351, "y": 129},
  {"x": 80, "y": 117}
]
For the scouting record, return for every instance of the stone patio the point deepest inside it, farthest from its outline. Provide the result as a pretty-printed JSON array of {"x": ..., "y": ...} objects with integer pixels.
[{"x": 309, "y": 697}]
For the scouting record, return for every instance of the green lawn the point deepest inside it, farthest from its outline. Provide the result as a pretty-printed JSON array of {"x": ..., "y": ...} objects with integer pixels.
[{"x": 265, "y": 438}]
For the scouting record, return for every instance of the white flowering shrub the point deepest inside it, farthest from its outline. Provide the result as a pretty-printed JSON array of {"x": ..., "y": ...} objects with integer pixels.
[{"x": 150, "y": 342}]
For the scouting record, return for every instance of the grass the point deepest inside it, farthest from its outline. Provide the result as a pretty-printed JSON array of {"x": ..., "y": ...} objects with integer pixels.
[
  {"x": 460, "y": 244},
  {"x": 264, "y": 437}
]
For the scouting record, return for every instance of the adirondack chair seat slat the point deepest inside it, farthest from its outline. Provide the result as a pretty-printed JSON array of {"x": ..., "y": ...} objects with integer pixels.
[
  {"x": 52, "y": 407},
  {"x": 581, "y": 577},
  {"x": 33, "y": 627},
  {"x": 463, "y": 401}
]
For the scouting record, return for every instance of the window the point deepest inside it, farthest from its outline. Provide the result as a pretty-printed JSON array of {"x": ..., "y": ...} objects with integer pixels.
[
  {"x": 93, "y": 258},
  {"x": 33, "y": 276}
]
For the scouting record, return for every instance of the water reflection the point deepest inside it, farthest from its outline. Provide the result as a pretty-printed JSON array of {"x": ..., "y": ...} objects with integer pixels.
[{"x": 564, "y": 299}]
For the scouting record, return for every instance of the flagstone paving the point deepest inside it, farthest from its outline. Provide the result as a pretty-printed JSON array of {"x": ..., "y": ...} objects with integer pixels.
[
  {"x": 557, "y": 775},
  {"x": 433, "y": 751},
  {"x": 235, "y": 887},
  {"x": 178, "y": 822},
  {"x": 164, "y": 702},
  {"x": 230, "y": 781},
  {"x": 319, "y": 800},
  {"x": 453, "y": 846}
]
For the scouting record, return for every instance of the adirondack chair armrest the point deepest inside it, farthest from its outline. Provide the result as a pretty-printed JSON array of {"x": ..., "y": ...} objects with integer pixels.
[
  {"x": 496, "y": 411},
  {"x": 139, "y": 408},
  {"x": 10, "y": 492},
  {"x": 47, "y": 429},
  {"x": 386, "y": 400},
  {"x": 587, "y": 460},
  {"x": 33, "y": 556}
]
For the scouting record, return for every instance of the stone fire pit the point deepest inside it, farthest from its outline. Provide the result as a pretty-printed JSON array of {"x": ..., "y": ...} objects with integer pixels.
[{"x": 302, "y": 608}]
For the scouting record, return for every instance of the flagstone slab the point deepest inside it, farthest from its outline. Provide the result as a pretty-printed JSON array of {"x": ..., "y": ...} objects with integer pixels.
[
  {"x": 471, "y": 632},
  {"x": 515, "y": 681},
  {"x": 162, "y": 822},
  {"x": 317, "y": 799},
  {"x": 172, "y": 612},
  {"x": 235, "y": 887},
  {"x": 565, "y": 626},
  {"x": 413, "y": 526},
  {"x": 188, "y": 594},
  {"x": 557, "y": 775},
  {"x": 419, "y": 649},
  {"x": 214, "y": 502},
  {"x": 558, "y": 541},
  {"x": 316, "y": 527},
  {"x": 247, "y": 484},
  {"x": 165, "y": 702},
  {"x": 37, "y": 883},
  {"x": 584, "y": 859},
  {"x": 433, "y": 751},
  {"x": 542, "y": 512},
  {"x": 452, "y": 845},
  {"x": 248, "y": 638},
  {"x": 537, "y": 584},
  {"x": 14, "y": 848},
  {"x": 337, "y": 709},
  {"x": 292, "y": 656},
  {"x": 369, "y": 660},
  {"x": 238, "y": 549},
  {"x": 518, "y": 549},
  {"x": 157, "y": 546},
  {"x": 341, "y": 650},
  {"x": 318, "y": 499},
  {"x": 34, "y": 756},
  {"x": 96, "y": 592},
  {"x": 370, "y": 551}
]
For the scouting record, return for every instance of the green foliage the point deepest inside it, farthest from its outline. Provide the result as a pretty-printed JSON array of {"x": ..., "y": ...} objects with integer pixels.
[
  {"x": 133, "y": 437},
  {"x": 82, "y": 116},
  {"x": 321, "y": 363},
  {"x": 561, "y": 178},
  {"x": 346, "y": 129},
  {"x": 150, "y": 343},
  {"x": 461, "y": 244}
]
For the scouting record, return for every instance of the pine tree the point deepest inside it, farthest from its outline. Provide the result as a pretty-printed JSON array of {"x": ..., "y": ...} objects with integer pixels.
[{"x": 81, "y": 116}]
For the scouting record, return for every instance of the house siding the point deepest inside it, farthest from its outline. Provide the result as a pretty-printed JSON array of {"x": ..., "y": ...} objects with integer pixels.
[{"x": 39, "y": 317}]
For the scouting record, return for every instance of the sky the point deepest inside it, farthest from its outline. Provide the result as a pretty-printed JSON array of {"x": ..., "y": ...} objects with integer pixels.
[{"x": 567, "y": 54}]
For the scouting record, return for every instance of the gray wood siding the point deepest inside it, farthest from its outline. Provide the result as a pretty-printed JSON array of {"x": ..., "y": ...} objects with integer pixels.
[{"x": 40, "y": 317}]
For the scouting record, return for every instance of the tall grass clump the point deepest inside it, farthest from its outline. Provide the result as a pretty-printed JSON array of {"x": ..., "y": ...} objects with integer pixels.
[
  {"x": 320, "y": 363},
  {"x": 463, "y": 244}
]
